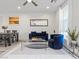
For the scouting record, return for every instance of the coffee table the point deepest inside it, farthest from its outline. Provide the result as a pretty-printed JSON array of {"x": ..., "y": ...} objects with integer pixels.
[{"x": 37, "y": 43}]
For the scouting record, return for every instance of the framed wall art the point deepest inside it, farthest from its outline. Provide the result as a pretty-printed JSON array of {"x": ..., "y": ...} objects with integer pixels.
[
  {"x": 38, "y": 22},
  {"x": 14, "y": 20}
]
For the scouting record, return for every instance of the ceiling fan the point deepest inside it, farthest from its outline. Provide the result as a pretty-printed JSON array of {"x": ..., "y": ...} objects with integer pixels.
[
  {"x": 34, "y": 3},
  {"x": 30, "y": 1},
  {"x": 53, "y": 1}
]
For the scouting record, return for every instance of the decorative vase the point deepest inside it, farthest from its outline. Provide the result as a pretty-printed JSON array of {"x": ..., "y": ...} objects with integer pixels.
[{"x": 74, "y": 43}]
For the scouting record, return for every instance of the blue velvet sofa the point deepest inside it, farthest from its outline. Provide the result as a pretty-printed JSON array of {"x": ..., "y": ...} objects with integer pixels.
[
  {"x": 42, "y": 35},
  {"x": 56, "y": 41}
]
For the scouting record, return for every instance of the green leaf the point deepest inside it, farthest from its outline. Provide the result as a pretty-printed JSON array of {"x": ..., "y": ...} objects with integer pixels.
[{"x": 73, "y": 34}]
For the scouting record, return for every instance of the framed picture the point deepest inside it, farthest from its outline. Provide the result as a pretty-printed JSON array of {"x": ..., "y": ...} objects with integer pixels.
[
  {"x": 14, "y": 20},
  {"x": 38, "y": 22}
]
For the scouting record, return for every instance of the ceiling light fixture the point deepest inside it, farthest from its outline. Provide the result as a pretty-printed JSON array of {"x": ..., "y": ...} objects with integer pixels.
[
  {"x": 29, "y": 1},
  {"x": 19, "y": 7},
  {"x": 47, "y": 7}
]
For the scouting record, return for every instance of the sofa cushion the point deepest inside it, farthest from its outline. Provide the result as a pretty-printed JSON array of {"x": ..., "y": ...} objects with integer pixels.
[
  {"x": 42, "y": 35},
  {"x": 43, "y": 32}
]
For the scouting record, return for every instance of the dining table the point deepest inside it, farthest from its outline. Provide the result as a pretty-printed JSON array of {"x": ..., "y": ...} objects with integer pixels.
[{"x": 8, "y": 38}]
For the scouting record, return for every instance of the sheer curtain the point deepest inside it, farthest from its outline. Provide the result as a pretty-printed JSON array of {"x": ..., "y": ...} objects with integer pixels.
[{"x": 63, "y": 20}]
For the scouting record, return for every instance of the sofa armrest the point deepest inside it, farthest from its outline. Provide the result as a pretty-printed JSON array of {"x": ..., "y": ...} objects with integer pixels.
[
  {"x": 46, "y": 37},
  {"x": 30, "y": 36}
]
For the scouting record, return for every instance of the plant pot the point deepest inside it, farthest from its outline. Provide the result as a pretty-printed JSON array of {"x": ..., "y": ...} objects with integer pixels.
[
  {"x": 74, "y": 45},
  {"x": 74, "y": 42}
]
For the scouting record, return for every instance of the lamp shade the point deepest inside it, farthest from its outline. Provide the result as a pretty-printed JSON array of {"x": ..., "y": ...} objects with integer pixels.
[{"x": 4, "y": 27}]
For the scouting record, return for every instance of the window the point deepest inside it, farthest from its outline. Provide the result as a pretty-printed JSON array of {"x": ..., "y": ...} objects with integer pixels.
[{"x": 63, "y": 20}]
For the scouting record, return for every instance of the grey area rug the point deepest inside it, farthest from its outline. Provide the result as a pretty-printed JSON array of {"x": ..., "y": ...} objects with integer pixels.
[{"x": 37, "y": 46}]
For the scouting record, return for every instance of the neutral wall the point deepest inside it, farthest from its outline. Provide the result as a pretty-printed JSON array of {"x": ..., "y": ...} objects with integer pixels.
[
  {"x": 74, "y": 14},
  {"x": 24, "y": 26},
  {"x": 57, "y": 20}
]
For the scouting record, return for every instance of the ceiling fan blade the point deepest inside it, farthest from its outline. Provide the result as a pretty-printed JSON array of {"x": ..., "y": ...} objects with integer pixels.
[
  {"x": 34, "y": 3},
  {"x": 25, "y": 3},
  {"x": 53, "y": 1}
]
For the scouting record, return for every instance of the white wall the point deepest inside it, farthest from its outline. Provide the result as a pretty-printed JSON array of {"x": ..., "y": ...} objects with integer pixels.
[
  {"x": 57, "y": 21},
  {"x": 74, "y": 14},
  {"x": 24, "y": 26}
]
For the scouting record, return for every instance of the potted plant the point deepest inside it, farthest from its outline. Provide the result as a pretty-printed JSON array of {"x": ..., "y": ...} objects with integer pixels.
[{"x": 74, "y": 34}]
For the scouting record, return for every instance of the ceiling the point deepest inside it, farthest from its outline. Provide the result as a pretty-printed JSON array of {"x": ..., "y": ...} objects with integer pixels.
[{"x": 12, "y": 6}]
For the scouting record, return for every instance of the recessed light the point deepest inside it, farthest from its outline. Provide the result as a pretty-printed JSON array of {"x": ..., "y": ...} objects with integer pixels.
[
  {"x": 19, "y": 7},
  {"x": 29, "y": 1},
  {"x": 47, "y": 7}
]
